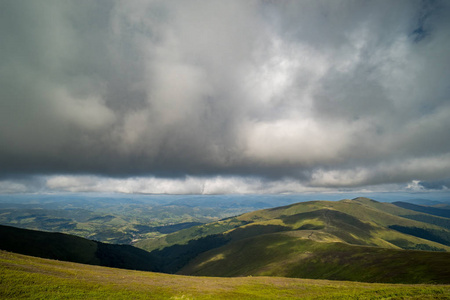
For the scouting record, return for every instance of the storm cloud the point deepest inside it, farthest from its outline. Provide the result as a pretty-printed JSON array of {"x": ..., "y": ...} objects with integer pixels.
[{"x": 320, "y": 94}]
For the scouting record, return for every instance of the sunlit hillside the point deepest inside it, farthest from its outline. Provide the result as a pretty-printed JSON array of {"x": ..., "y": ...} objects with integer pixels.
[{"x": 37, "y": 278}]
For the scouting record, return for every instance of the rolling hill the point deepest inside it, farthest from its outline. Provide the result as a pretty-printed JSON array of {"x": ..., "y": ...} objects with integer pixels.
[
  {"x": 121, "y": 219},
  {"x": 29, "y": 277},
  {"x": 359, "y": 239},
  {"x": 72, "y": 248},
  {"x": 356, "y": 240},
  {"x": 288, "y": 255}
]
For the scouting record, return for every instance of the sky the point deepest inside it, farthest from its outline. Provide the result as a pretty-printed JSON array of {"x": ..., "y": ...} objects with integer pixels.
[{"x": 216, "y": 97}]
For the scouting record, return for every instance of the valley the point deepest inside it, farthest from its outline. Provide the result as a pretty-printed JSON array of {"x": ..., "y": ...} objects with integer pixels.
[
  {"x": 124, "y": 219},
  {"x": 365, "y": 247}
]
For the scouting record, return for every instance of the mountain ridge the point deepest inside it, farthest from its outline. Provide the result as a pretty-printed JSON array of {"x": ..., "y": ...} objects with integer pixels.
[
  {"x": 364, "y": 226},
  {"x": 358, "y": 239}
]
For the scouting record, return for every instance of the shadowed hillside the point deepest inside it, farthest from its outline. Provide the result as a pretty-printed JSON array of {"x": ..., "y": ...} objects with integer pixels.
[
  {"x": 72, "y": 248},
  {"x": 287, "y": 255}
]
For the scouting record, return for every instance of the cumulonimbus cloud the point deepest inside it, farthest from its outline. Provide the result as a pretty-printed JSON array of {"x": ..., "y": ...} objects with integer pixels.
[{"x": 327, "y": 94}]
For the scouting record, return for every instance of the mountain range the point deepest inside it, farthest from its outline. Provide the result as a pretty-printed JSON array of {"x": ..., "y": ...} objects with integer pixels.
[{"x": 354, "y": 240}]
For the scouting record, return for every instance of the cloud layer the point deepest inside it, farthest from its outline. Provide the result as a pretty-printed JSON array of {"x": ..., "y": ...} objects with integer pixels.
[{"x": 328, "y": 94}]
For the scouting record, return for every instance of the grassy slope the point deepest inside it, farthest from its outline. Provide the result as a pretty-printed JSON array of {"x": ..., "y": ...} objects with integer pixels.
[
  {"x": 325, "y": 214},
  {"x": 185, "y": 235},
  {"x": 72, "y": 248},
  {"x": 410, "y": 211},
  {"x": 35, "y": 278},
  {"x": 292, "y": 255},
  {"x": 366, "y": 210},
  {"x": 362, "y": 222},
  {"x": 358, "y": 222}
]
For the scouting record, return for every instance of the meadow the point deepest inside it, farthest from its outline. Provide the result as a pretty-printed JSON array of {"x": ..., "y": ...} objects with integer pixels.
[{"x": 36, "y": 278}]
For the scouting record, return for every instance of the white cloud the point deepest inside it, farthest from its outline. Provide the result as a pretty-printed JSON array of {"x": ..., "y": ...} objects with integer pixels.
[
  {"x": 187, "y": 185},
  {"x": 214, "y": 185},
  {"x": 415, "y": 186},
  {"x": 11, "y": 186},
  {"x": 221, "y": 95}
]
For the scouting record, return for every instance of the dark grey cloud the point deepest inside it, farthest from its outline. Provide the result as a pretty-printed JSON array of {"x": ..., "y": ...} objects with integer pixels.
[
  {"x": 327, "y": 94},
  {"x": 443, "y": 184}
]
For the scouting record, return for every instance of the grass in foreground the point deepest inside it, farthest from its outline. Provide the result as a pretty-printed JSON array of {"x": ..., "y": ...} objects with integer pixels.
[{"x": 35, "y": 278}]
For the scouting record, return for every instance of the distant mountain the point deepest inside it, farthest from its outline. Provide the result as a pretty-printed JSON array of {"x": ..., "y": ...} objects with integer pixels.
[
  {"x": 72, "y": 248},
  {"x": 123, "y": 219},
  {"x": 421, "y": 201},
  {"x": 442, "y": 211},
  {"x": 359, "y": 239}
]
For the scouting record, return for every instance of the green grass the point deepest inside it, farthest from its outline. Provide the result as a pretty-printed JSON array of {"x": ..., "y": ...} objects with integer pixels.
[
  {"x": 246, "y": 245},
  {"x": 361, "y": 222},
  {"x": 317, "y": 240},
  {"x": 286, "y": 255},
  {"x": 185, "y": 235},
  {"x": 24, "y": 277}
]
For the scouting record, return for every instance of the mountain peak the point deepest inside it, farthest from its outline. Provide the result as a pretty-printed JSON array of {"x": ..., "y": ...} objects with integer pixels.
[{"x": 364, "y": 200}]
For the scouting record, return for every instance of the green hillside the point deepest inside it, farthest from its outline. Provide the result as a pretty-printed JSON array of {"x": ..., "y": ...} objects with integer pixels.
[
  {"x": 356, "y": 240},
  {"x": 72, "y": 248},
  {"x": 36, "y": 278},
  {"x": 430, "y": 215},
  {"x": 362, "y": 227},
  {"x": 288, "y": 255},
  {"x": 360, "y": 221}
]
